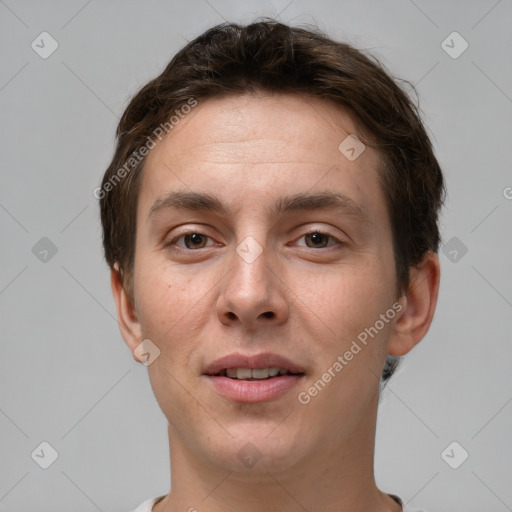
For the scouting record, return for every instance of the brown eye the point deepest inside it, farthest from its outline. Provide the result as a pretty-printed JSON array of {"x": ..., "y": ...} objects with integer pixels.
[
  {"x": 195, "y": 241},
  {"x": 320, "y": 240},
  {"x": 192, "y": 240}
]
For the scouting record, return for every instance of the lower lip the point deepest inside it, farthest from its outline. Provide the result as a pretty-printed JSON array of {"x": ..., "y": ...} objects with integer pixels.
[{"x": 254, "y": 390}]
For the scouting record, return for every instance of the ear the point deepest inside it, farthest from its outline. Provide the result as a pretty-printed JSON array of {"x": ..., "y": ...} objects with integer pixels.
[
  {"x": 129, "y": 325},
  {"x": 419, "y": 305}
]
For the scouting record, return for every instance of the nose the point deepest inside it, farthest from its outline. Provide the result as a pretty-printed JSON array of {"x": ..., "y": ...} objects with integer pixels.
[{"x": 252, "y": 294}]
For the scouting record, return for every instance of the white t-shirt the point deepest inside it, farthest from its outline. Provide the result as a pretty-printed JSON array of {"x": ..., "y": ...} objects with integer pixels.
[
  {"x": 405, "y": 508},
  {"x": 147, "y": 506}
]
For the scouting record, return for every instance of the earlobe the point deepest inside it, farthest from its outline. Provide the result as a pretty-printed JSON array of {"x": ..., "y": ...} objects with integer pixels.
[
  {"x": 129, "y": 324},
  {"x": 415, "y": 319}
]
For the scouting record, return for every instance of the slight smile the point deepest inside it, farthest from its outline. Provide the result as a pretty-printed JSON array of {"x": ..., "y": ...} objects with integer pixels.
[{"x": 257, "y": 378}]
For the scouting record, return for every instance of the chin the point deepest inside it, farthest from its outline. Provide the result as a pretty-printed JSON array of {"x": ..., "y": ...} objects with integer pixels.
[{"x": 260, "y": 448}]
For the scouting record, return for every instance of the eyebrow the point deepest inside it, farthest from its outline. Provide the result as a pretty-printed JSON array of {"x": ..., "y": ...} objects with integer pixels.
[{"x": 195, "y": 201}]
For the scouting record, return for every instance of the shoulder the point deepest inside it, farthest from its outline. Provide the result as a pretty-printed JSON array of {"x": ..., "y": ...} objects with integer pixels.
[
  {"x": 405, "y": 508},
  {"x": 147, "y": 506}
]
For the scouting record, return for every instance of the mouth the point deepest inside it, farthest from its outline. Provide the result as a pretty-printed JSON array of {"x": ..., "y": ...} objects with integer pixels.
[
  {"x": 255, "y": 373},
  {"x": 259, "y": 378}
]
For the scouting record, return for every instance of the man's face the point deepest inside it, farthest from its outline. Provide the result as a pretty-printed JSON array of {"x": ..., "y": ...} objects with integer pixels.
[{"x": 265, "y": 276}]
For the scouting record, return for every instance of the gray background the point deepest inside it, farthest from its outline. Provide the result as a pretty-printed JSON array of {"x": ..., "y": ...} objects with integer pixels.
[{"x": 66, "y": 376}]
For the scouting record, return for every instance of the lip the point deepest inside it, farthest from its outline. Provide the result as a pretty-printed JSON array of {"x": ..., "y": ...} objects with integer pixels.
[
  {"x": 265, "y": 360},
  {"x": 250, "y": 391}
]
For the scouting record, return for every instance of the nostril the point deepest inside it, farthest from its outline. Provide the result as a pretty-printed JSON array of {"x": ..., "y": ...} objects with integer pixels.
[{"x": 269, "y": 314}]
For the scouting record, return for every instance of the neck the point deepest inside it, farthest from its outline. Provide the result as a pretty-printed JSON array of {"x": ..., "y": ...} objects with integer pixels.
[{"x": 337, "y": 477}]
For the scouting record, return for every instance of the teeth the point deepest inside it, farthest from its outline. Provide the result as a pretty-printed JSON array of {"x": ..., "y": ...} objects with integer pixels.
[
  {"x": 256, "y": 373},
  {"x": 262, "y": 373},
  {"x": 243, "y": 373}
]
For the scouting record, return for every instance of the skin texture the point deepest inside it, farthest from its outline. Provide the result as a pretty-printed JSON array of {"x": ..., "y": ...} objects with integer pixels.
[{"x": 306, "y": 299}]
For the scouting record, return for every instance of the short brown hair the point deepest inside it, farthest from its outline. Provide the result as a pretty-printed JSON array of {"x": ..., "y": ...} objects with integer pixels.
[{"x": 272, "y": 57}]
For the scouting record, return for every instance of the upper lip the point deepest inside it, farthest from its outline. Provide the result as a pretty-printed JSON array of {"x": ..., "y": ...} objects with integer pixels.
[{"x": 265, "y": 360}]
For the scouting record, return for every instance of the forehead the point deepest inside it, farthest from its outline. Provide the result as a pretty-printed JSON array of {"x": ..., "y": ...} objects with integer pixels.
[
  {"x": 254, "y": 123},
  {"x": 247, "y": 145}
]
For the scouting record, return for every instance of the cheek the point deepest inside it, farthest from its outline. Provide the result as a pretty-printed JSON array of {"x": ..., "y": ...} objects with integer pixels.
[
  {"x": 356, "y": 296},
  {"x": 153, "y": 293},
  {"x": 171, "y": 315},
  {"x": 353, "y": 331},
  {"x": 165, "y": 300},
  {"x": 175, "y": 308},
  {"x": 349, "y": 303}
]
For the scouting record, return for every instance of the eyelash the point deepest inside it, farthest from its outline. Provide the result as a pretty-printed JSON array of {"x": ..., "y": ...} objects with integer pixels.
[{"x": 311, "y": 232}]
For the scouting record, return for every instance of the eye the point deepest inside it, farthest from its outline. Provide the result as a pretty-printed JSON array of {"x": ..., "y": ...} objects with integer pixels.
[
  {"x": 192, "y": 240},
  {"x": 319, "y": 239}
]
